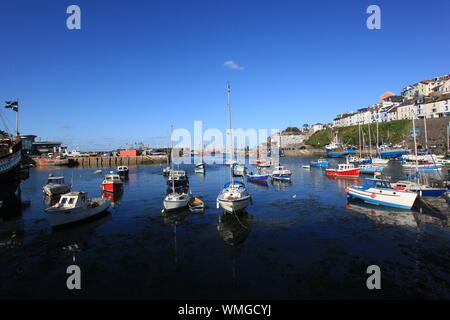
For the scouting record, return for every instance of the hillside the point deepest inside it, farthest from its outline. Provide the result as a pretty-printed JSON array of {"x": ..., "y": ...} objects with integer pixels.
[{"x": 389, "y": 132}]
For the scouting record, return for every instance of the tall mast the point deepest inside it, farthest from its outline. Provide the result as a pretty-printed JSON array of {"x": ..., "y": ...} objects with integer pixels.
[
  {"x": 370, "y": 142},
  {"x": 359, "y": 140},
  {"x": 17, "y": 119},
  {"x": 378, "y": 142},
  {"x": 415, "y": 145},
  {"x": 426, "y": 134},
  {"x": 171, "y": 156},
  {"x": 229, "y": 131}
]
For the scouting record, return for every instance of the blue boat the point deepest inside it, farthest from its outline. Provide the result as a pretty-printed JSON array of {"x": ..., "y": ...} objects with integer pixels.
[
  {"x": 337, "y": 154},
  {"x": 421, "y": 189},
  {"x": 370, "y": 169},
  {"x": 258, "y": 178},
  {"x": 319, "y": 163},
  {"x": 393, "y": 154}
]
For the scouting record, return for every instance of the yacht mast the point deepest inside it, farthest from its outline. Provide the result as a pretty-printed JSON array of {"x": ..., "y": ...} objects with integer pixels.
[
  {"x": 230, "y": 132},
  {"x": 370, "y": 142},
  {"x": 171, "y": 157},
  {"x": 415, "y": 145}
]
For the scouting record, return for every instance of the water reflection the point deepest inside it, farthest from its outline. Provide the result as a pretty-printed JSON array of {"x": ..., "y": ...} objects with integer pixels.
[
  {"x": 384, "y": 215},
  {"x": 281, "y": 185},
  {"x": 76, "y": 238},
  {"x": 234, "y": 228},
  {"x": 11, "y": 222},
  {"x": 114, "y": 196}
]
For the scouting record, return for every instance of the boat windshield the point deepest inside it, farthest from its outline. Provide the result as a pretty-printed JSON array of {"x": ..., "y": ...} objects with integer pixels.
[{"x": 383, "y": 184}]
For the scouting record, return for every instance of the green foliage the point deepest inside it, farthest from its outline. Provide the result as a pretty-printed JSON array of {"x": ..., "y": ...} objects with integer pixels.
[
  {"x": 389, "y": 132},
  {"x": 292, "y": 130},
  {"x": 320, "y": 138}
]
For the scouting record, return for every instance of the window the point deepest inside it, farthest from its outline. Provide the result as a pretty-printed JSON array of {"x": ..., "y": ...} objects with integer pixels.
[{"x": 71, "y": 200}]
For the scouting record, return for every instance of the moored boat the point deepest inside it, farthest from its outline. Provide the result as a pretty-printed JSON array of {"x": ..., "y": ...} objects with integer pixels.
[
  {"x": 239, "y": 170},
  {"x": 112, "y": 183},
  {"x": 74, "y": 207},
  {"x": 56, "y": 186},
  {"x": 281, "y": 173},
  {"x": 259, "y": 178},
  {"x": 344, "y": 170},
  {"x": 234, "y": 197},
  {"x": 370, "y": 168},
  {"x": 319, "y": 163},
  {"x": 122, "y": 171},
  {"x": 380, "y": 192},
  {"x": 421, "y": 189}
]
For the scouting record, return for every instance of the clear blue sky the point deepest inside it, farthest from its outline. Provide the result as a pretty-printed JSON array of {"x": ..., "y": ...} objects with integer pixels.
[{"x": 136, "y": 67}]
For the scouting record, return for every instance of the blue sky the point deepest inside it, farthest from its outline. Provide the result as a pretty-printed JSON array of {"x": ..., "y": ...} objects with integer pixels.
[{"x": 136, "y": 67}]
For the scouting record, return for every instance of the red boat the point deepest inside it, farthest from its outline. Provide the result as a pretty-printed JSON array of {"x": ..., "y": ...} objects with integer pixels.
[
  {"x": 344, "y": 170},
  {"x": 112, "y": 183}
]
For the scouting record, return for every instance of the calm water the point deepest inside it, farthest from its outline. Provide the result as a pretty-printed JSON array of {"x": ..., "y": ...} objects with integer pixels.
[{"x": 297, "y": 241}]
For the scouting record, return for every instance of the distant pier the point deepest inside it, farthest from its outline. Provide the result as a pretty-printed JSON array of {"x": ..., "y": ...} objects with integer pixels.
[{"x": 97, "y": 162}]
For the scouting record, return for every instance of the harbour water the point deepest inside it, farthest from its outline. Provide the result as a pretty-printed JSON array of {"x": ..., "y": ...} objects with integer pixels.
[{"x": 298, "y": 240}]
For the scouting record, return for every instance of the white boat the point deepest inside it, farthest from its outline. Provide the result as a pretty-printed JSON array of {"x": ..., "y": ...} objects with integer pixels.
[
  {"x": 239, "y": 170},
  {"x": 74, "y": 207},
  {"x": 199, "y": 168},
  {"x": 380, "y": 192},
  {"x": 281, "y": 173},
  {"x": 56, "y": 186},
  {"x": 122, "y": 171},
  {"x": 176, "y": 200},
  {"x": 380, "y": 161},
  {"x": 234, "y": 197}
]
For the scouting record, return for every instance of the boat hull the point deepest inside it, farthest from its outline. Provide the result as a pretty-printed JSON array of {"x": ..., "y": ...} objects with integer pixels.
[
  {"x": 390, "y": 198},
  {"x": 170, "y": 205},
  {"x": 343, "y": 173},
  {"x": 234, "y": 205},
  {"x": 10, "y": 173},
  {"x": 112, "y": 187},
  {"x": 283, "y": 177},
  {"x": 60, "y": 218}
]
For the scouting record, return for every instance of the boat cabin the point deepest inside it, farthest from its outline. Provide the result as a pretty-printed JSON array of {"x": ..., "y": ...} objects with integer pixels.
[
  {"x": 112, "y": 177},
  {"x": 122, "y": 169},
  {"x": 177, "y": 175},
  {"x": 72, "y": 200},
  {"x": 377, "y": 183},
  {"x": 55, "y": 180},
  {"x": 345, "y": 166}
]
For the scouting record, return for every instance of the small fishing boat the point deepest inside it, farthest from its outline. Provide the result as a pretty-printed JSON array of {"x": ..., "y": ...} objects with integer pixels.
[
  {"x": 306, "y": 167},
  {"x": 380, "y": 192},
  {"x": 200, "y": 168},
  {"x": 263, "y": 163},
  {"x": 281, "y": 173},
  {"x": 176, "y": 200},
  {"x": 359, "y": 161},
  {"x": 56, "y": 186},
  {"x": 112, "y": 183},
  {"x": 122, "y": 171},
  {"x": 261, "y": 178},
  {"x": 239, "y": 170},
  {"x": 178, "y": 177},
  {"x": 97, "y": 171},
  {"x": 344, "y": 170},
  {"x": 234, "y": 197},
  {"x": 320, "y": 163},
  {"x": 74, "y": 207},
  {"x": 196, "y": 205},
  {"x": 370, "y": 168},
  {"x": 421, "y": 189}
]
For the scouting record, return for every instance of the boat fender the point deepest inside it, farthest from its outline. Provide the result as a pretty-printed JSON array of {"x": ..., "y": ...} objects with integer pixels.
[
  {"x": 347, "y": 190},
  {"x": 373, "y": 195}
]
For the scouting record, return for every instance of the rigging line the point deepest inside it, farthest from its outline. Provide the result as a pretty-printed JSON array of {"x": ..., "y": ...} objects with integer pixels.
[{"x": 4, "y": 120}]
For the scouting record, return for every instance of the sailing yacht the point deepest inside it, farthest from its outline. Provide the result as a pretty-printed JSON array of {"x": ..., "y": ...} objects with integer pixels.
[
  {"x": 234, "y": 196},
  {"x": 177, "y": 198}
]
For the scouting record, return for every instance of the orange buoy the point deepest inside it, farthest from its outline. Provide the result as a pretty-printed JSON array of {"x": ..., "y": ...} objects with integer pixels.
[
  {"x": 347, "y": 190},
  {"x": 373, "y": 195}
]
